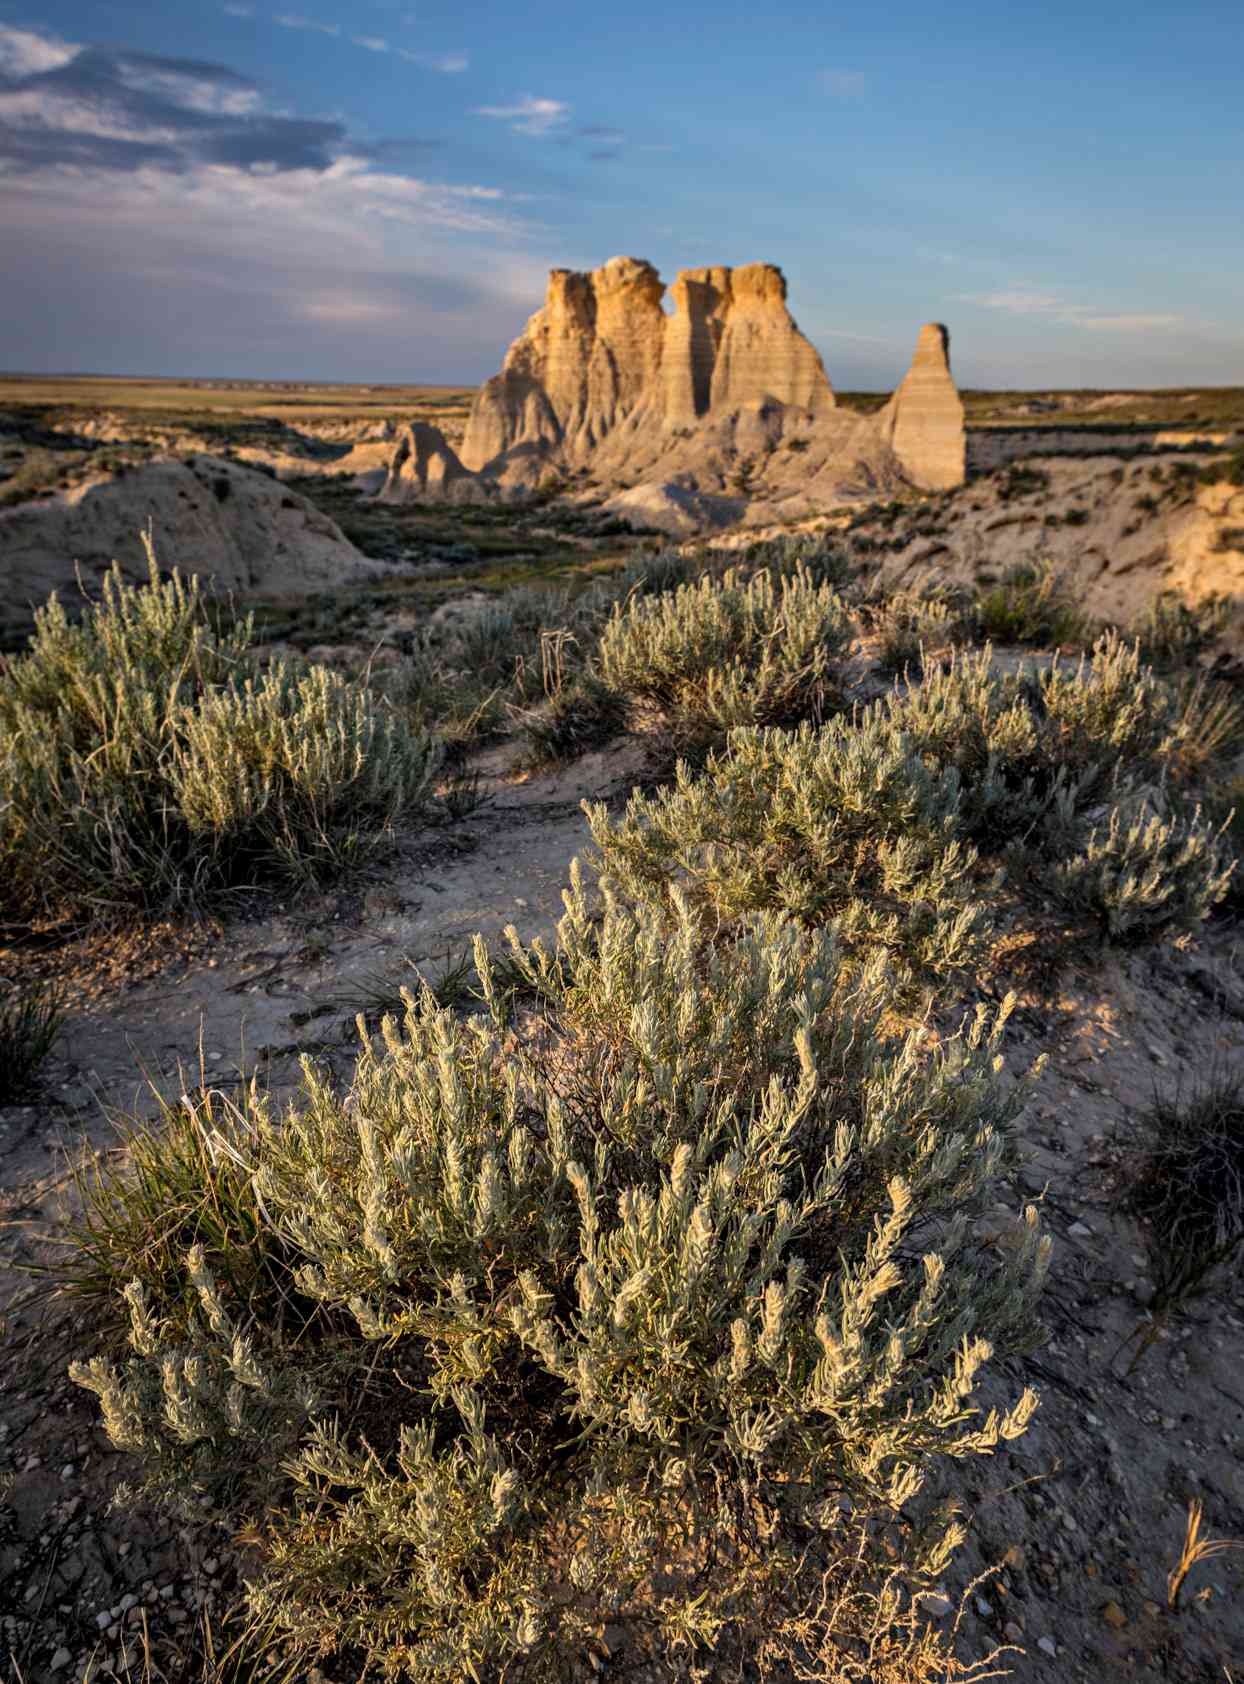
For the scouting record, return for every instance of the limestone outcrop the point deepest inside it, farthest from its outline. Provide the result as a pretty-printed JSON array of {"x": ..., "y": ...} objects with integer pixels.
[
  {"x": 923, "y": 421},
  {"x": 723, "y": 399},
  {"x": 602, "y": 355},
  {"x": 425, "y": 467}
]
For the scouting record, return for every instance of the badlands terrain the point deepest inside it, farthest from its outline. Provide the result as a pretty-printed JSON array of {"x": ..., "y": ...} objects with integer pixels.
[{"x": 459, "y": 556}]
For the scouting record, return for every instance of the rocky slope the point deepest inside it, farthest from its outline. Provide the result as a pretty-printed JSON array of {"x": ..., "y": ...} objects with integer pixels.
[{"x": 241, "y": 530}]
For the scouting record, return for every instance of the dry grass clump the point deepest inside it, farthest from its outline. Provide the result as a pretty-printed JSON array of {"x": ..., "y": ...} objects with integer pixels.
[
  {"x": 30, "y": 1021},
  {"x": 1186, "y": 1188},
  {"x": 589, "y": 1318},
  {"x": 142, "y": 766},
  {"x": 1031, "y": 603}
]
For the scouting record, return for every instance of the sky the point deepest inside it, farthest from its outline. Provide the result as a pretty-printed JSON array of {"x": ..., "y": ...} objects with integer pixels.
[{"x": 314, "y": 190}]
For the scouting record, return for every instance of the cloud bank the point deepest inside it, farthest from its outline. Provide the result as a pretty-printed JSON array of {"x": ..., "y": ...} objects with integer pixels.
[{"x": 161, "y": 215}]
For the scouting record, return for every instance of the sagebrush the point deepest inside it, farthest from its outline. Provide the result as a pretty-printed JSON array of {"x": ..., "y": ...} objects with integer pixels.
[
  {"x": 591, "y": 1318},
  {"x": 144, "y": 763},
  {"x": 739, "y": 650}
]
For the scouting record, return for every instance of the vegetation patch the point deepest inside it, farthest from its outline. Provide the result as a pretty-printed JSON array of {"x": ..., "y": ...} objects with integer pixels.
[
  {"x": 596, "y": 1319},
  {"x": 144, "y": 765}
]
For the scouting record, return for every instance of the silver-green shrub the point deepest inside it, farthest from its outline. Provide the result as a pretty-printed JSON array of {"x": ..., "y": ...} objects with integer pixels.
[
  {"x": 1139, "y": 873},
  {"x": 720, "y": 653},
  {"x": 613, "y": 1302},
  {"x": 846, "y": 826},
  {"x": 1109, "y": 712},
  {"x": 298, "y": 769},
  {"x": 872, "y": 825},
  {"x": 141, "y": 767}
]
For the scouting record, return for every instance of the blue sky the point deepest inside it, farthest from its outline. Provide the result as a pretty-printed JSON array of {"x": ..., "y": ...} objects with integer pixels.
[{"x": 376, "y": 191}]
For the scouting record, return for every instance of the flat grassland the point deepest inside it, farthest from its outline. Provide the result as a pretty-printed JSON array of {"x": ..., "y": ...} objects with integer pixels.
[{"x": 63, "y": 397}]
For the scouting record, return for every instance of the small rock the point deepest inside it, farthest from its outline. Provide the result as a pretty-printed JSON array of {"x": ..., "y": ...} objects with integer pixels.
[
  {"x": 61, "y": 1658},
  {"x": 983, "y": 1608},
  {"x": 936, "y": 1603},
  {"x": 1047, "y": 1645},
  {"x": 1015, "y": 1558},
  {"x": 1080, "y": 1231},
  {"x": 1012, "y": 1631},
  {"x": 1114, "y": 1616},
  {"x": 104, "y": 1620},
  {"x": 1152, "y": 1609}
]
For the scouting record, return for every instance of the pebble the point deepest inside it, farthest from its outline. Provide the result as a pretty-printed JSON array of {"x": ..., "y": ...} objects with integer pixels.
[
  {"x": 61, "y": 1658},
  {"x": 104, "y": 1620},
  {"x": 1080, "y": 1231},
  {"x": 983, "y": 1608},
  {"x": 1047, "y": 1645},
  {"x": 1114, "y": 1616},
  {"x": 937, "y": 1603},
  {"x": 1012, "y": 1631}
]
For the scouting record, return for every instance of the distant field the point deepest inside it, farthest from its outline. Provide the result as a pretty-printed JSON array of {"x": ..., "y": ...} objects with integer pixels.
[
  {"x": 1182, "y": 406},
  {"x": 63, "y": 396}
]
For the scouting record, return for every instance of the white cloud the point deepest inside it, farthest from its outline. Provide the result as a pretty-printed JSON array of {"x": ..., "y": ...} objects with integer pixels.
[
  {"x": 346, "y": 201},
  {"x": 348, "y": 309},
  {"x": 25, "y": 54},
  {"x": 529, "y": 115},
  {"x": 212, "y": 98},
  {"x": 1129, "y": 324},
  {"x": 855, "y": 338},
  {"x": 843, "y": 84},
  {"x": 51, "y": 111},
  {"x": 373, "y": 43},
  {"x": 295, "y": 20},
  {"x": 1052, "y": 306},
  {"x": 239, "y": 11},
  {"x": 1017, "y": 303},
  {"x": 449, "y": 64}
]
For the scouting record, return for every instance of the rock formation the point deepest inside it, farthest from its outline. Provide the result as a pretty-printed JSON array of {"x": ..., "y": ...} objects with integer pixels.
[
  {"x": 425, "y": 467},
  {"x": 722, "y": 400},
  {"x": 602, "y": 354},
  {"x": 242, "y": 530},
  {"x": 923, "y": 421}
]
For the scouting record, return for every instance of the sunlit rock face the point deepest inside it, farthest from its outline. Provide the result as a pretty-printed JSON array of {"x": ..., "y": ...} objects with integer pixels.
[
  {"x": 602, "y": 353},
  {"x": 923, "y": 421},
  {"x": 722, "y": 397}
]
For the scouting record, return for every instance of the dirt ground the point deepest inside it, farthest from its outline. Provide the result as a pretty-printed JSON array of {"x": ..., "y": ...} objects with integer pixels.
[{"x": 1081, "y": 1519}]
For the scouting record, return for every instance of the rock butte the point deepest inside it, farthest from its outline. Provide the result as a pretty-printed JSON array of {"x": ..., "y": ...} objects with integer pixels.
[
  {"x": 722, "y": 397},
  {"x": 923, "y": 421}
]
